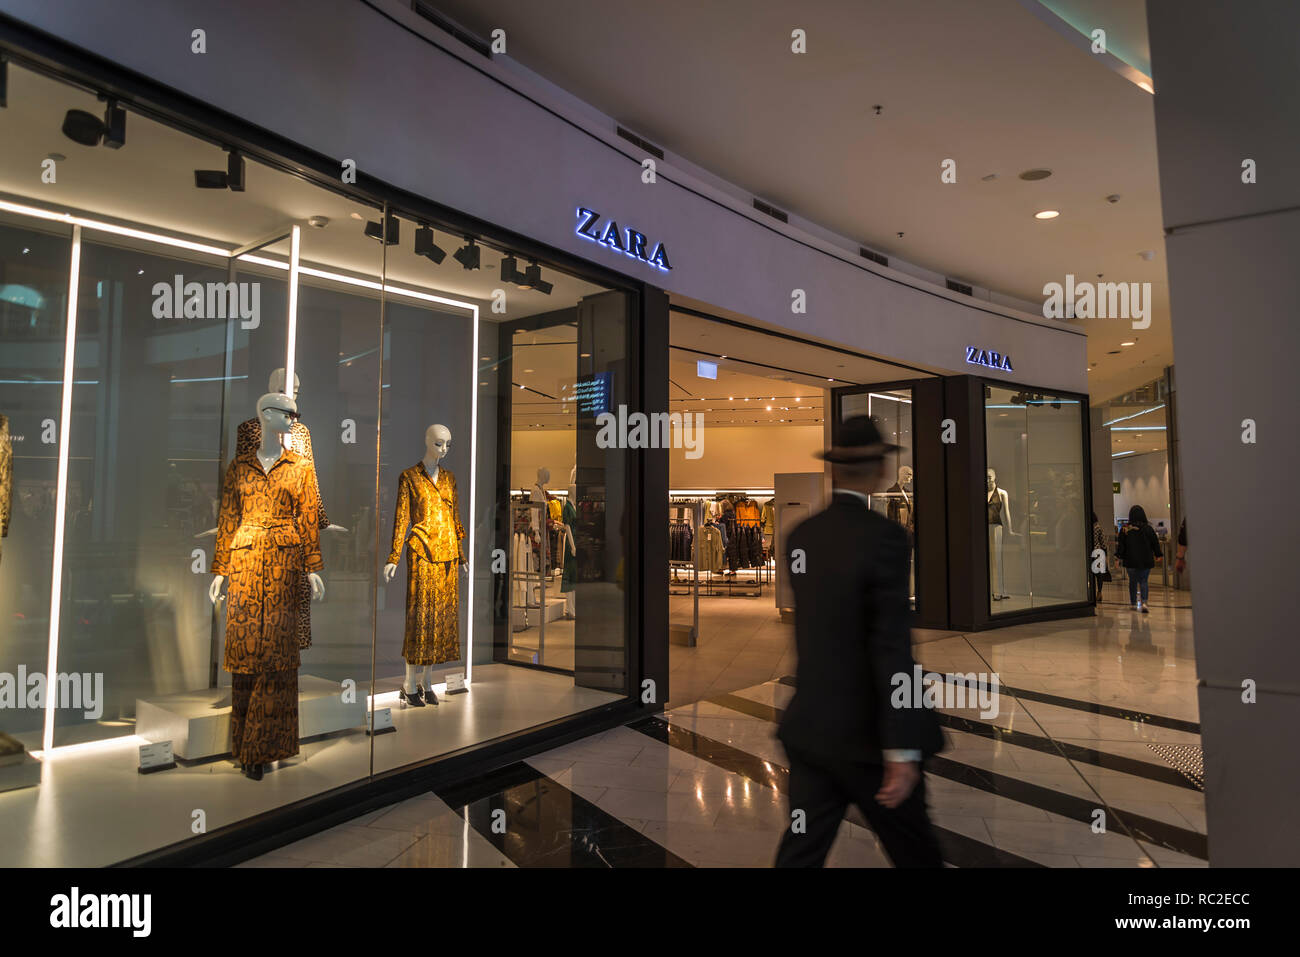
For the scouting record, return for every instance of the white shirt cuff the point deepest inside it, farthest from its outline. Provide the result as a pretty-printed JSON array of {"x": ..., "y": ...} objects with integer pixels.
[{"x": 901, "y": 755}]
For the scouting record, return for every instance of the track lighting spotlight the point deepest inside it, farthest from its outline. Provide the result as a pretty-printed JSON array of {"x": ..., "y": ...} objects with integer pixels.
[
  {"x": 426, "y": 247},
  {"x": 88, "y": 130},
  {"x": 510, "y": 271},
  {"x": 468, "y": 255},
  {"x": 377, "y": 232},
  {"x": 533, "y": 279},
  {"x": 232, "y": 177}
]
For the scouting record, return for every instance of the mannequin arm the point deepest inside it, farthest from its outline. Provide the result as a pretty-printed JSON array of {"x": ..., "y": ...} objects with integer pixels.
[
  {"x": 214, "y": 590},
  {"x": 389, "y": 571},
  {"x": 317, "y": 586}
]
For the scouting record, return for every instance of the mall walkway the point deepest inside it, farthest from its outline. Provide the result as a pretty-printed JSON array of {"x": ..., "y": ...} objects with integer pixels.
[{"x": 1096, "y": 723}]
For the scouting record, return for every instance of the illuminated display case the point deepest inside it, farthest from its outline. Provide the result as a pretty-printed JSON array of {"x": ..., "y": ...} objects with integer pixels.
[{"x": 150, "y": 295}]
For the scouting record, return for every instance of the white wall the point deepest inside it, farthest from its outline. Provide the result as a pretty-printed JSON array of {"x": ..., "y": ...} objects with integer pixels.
[
  {"x": 531, "y": 449},
  {"x": 348, "y": 82},
  {"x": 1143, "y": 480},
  {"x": 747, "y": 456}
]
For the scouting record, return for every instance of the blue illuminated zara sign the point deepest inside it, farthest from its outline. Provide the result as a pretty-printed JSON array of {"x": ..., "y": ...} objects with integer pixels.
[
  {"x": 993, "y": 360},
  {"x": 627, "y": 241}
]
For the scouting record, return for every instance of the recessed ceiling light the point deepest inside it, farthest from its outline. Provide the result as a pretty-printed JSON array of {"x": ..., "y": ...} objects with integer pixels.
[
  {"x": 1036, "y": 174},
  {"x": 485, "y": 358},
  {"x": 528, "y": 370},
  {"x": 584, "y": 355},
  {"x": 356, "y": 216},
  {"x": 1128, "y": 343},
  {"x": 1047, "y": 214}
]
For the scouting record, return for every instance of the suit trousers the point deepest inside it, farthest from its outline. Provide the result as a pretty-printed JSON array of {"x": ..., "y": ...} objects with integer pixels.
[{"x": 825, "y": 787}]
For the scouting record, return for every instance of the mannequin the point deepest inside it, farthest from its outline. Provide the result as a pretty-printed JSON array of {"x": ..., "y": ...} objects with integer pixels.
[
  {"x": 298, "y": 439},
  {"x": 901, "y": 507},
  {"x": 999, "y": 516},
  {"x": 268, "y": 542},
  {"x": 573, "y": 485},
  {"x": 569, "y": 514},
  {"x": 427, "y": 501}
]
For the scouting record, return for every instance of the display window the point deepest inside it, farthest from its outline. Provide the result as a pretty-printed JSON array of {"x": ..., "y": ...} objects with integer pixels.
[
  {"x": 1034, "y": 499},
  {"x": 252, "y": 434}
]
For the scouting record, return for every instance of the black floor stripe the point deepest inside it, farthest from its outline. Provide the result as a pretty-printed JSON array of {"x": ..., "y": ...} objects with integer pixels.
[
  {"x": 547, "y": 825},
  {"x": 958, "y": 849},
  {"x": 1127, "y": 714},
  {"x": 1075, "y": 752},
  {"x": 1171, "y": 836}
]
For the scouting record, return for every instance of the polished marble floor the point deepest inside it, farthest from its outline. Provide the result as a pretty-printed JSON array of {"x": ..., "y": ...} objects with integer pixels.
[{"x": 1070, "y": 768}]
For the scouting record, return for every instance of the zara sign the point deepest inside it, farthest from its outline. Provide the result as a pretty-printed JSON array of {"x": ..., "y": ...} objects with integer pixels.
[
  {"x": 627, "y": 241},
  {"x": 993, "y": 360}
]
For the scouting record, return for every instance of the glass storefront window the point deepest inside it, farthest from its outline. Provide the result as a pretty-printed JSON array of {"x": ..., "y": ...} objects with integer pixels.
[
  {"x": 1034, "y": 499},
  {"x": 362, "y": 553},
  {"x": 892, "y": 411}
]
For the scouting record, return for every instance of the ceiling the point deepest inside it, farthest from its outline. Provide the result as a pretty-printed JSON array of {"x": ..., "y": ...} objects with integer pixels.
[{"x": 987, "y": 84}]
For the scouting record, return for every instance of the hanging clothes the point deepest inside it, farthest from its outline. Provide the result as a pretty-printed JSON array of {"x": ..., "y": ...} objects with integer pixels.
[
  {"x": 680, "y": 542},
  {"x": 569, "y": 514},
  {"x": 712, "y": 551}
]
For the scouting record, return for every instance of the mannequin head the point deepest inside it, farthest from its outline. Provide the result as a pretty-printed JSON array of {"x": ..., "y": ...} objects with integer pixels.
[
  {"x": 277, "y": 412},
  {"x": 276, "y": 383},
  {"x": 543, "y": 476},
  {"x": 904, "y": 475},
  {"x": 992, "y": 479},
  {"x": 437, "y": 442}
]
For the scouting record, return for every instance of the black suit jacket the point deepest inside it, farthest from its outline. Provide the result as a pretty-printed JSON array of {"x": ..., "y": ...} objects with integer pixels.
[{"x": 852, "y": 634}]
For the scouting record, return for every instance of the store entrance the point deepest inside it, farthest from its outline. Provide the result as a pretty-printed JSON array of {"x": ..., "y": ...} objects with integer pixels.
[{"x": 764, "y": 400}]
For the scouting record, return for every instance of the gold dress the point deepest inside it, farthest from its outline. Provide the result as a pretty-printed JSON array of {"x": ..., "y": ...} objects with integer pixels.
[
  {"x": 268, "y": 539},
  {"x": 434, "y": 551},
  {"x": 247, "y": 439}
]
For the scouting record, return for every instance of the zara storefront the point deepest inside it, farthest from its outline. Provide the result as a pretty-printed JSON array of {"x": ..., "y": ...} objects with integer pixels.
[{"x": 166, "y": 263}]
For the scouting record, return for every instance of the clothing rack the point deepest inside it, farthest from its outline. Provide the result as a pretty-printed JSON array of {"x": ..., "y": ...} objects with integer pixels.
[
  {"x": 689, "y": 511},
  {"x": 527, "y": 544}
]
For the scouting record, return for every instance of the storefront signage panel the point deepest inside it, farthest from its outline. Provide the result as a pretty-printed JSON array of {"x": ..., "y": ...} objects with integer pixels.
[
  {"x": 992, "y": 360},
  {"x": 628, "y": 241}
]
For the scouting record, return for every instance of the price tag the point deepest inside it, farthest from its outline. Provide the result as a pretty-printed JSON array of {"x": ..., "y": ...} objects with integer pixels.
[
  {"x": 380, "y": 721},
  {"x": 456, "y": 683},
  {"x": 156, "y": 757}
]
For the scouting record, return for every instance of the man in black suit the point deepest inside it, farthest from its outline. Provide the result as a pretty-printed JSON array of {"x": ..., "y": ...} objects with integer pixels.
[{"x": 845, "y": 739}]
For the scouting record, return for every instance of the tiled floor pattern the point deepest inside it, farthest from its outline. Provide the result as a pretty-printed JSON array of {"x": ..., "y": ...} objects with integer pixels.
[{"x": 1066, "y": 751}]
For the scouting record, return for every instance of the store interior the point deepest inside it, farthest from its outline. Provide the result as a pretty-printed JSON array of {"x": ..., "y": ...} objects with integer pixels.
[
  {"x": 119, "y": 453},
  {"x": 763, "y": 398}
]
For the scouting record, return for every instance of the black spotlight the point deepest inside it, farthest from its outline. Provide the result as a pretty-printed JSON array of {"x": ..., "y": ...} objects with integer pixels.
[
  {"x": 232, "y": 177},
  {"x": 510, "y": 271},
  {"x": 88, "y": 130},
  {"x": 467, "y": 255},
  {"x": 82, "y": 127},
  {"x": 426, "y": 247},
  {"x": 533, "y": 279},
  {"x": 377, "y": 232},
  {"x": 4, "y": 82}
]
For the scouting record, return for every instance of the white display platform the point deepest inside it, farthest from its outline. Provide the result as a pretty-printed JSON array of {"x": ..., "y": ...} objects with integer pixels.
[
  {"x": 198, "y": 722},
  {"x": 554, "y": 611},
  {"x": 20, "y": 774}
]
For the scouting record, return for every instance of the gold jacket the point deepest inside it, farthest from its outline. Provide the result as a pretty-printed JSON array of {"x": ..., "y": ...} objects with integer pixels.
[
  {"x": 249, "y": 437},
  {"x": 433, "y": 513},
  {"x": 268, "y": 539}
]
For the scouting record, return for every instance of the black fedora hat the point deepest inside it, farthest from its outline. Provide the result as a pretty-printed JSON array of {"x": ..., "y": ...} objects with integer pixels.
[{"x": 859, "y": 441}]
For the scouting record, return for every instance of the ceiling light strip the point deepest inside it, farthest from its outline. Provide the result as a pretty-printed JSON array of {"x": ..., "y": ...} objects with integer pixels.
[
  {"x": 38, "y": 213},
  {"x": 61, "y": 490},
  {"x": 473, "y": 498}
]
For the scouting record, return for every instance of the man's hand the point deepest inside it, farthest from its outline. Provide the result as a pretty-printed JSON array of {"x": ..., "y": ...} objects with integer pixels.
[{"x": 900, "y": 779}]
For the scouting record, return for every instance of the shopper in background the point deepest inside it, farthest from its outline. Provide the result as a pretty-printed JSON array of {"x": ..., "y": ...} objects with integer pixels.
[
  {"x": 1098, "y": 541},
  {"x": 1181, "y": 565},
  {"x": 846, "y": 740},
  {"x": 1139, "y": 550}
]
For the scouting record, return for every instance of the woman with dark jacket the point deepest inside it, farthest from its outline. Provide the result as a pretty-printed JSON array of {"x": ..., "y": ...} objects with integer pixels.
[{"x": 1139, "y": 549}]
